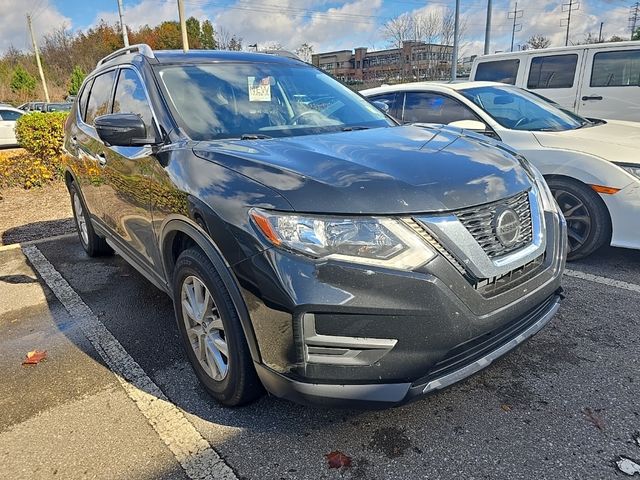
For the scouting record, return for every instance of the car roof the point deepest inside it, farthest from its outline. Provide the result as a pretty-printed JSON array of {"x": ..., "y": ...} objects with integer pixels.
[
  {"x": 499, "y": 55},
  {"x": 178, "y": 56},
  {"x": 11, "y": 109},
  {"x": 433, "y": 86}
]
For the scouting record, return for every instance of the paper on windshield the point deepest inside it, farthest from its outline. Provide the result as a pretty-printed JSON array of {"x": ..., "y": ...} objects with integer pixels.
[{"x": 259, "y": 90}]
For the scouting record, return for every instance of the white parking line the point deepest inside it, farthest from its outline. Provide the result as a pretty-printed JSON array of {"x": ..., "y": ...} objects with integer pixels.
[
  {"x": 193, "y": 452},
  {"x": 603, "y": 280}
]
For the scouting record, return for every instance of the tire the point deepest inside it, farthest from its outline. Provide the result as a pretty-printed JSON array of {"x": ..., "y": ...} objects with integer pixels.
[
  {"x": 93, "y": 244},
  {"x": 588, "y": 220},
  {"x": 229, "y": 377}
]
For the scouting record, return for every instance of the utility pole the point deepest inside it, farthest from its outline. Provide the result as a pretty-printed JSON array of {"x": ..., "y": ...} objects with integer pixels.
[
  {"x": 569, "y": 7},
  {"x": 183, "y": 26},
  {"x": 456, "y": 39},
  {"x": 123, "y": 27},
  {"x": 633, "y": 19},
  {"x": 516, "y": 26},
  {"x": 487, "y": 30},
  {"x": 35, "y": 49},
  {"x": 600, "y": 34}
]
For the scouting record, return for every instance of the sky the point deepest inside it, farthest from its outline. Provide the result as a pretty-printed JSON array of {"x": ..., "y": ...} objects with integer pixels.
[{"x": 325, "y": 24}]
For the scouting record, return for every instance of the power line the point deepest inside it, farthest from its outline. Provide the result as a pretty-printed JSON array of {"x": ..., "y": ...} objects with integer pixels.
[
  {"x": 568, "y": 7},
  {"x": 516, "y": 26}
]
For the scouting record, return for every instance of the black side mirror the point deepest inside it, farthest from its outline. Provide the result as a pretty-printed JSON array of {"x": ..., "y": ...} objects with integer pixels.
[
  {"x": 382, "y": 106},
  {"x": 122, "y": 130}
]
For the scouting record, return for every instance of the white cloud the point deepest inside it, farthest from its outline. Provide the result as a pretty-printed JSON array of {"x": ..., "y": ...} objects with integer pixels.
[
  {"x": 13, "y": 22},
  {"x": 148, "y": 12}
]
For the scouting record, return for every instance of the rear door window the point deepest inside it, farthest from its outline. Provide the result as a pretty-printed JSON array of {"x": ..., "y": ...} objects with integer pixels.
[
  {"x": 84, "y": 96},
  {"x": 100, "y": 96},
  {"x": 430, "y": 107},
  {"x": 503, "y": 71},
  {"x": 552, "y": 71},
  {"x": 616, "y": 69},
  {"x": 9, "y": 115}
]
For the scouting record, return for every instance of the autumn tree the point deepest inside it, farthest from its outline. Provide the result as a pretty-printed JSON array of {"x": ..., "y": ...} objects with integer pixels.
[
  {"x": 168, "y": 36},
  {"x": 537, "y": 42},
  {"x": 77, "y": 77}
]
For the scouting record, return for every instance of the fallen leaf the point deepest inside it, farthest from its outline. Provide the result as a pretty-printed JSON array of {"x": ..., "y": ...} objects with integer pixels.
[
  {"x": 628, "y": 466},
  {"x": 505, "y": 407},
  {"x": 594, "y": 418},
  {"x": 34, "y": 357},
  {"x": 338, "y": 459}
]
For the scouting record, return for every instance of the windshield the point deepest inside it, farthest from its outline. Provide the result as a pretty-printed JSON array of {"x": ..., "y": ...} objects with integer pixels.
[
  {"x": 518, "y": 109},
  {"x": 262, "y": 100}
]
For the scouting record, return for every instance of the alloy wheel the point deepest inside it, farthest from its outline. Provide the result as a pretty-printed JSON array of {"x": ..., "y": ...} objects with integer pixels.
[
  {"x": 81, "y": 221},
  {"x": 577, "y": 216},
  {"x": 204, "y": 327}
]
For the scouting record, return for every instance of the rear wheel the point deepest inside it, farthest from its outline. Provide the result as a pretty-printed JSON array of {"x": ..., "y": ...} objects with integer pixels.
[
  {"x": 93, "y": 244},
  {"x": 211, "y": 331},
  {"x": 588, "y": 221}
]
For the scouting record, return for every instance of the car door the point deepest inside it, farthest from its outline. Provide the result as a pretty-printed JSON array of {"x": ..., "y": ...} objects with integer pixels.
[
  {"x": 555, "y": 77},
  {"x": 611, "y": 87},
  {"x": 7, "y": 126},
  {"x": 128, "y": 190},
  {"x": 89, "y": 149}
]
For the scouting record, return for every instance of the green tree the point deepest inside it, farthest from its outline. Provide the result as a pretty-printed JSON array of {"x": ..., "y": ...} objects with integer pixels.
[
  {"x": 207, "y": 36},
  {"x": 168, "y": 36},
  {"x": 77, "y": 77},
  {"x": 235, "y": 44},
  {"x": 193, "y": 32},
  {"x": 616, "y": 38},
  {"x": 22, "y": 82},
  {"x": 636, "y": 34}
]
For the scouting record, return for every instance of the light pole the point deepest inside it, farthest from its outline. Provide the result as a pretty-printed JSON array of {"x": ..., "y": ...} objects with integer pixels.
[{"x": 456, "y": 34}]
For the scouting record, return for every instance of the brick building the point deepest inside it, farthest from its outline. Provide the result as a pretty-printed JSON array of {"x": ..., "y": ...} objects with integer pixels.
[{"x": 415, "y": 60}]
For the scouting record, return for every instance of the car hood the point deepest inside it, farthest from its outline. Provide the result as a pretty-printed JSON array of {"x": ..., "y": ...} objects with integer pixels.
[
  {"x": 616, "y": 141},
  {"x": 395, "y": 170}
]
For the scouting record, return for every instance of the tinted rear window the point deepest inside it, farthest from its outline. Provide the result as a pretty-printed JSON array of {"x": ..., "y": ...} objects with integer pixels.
[
  {"x": 504, "y": 71},
  {"x": 616, "y": 69},
  {"x": 552, "y": 71}
]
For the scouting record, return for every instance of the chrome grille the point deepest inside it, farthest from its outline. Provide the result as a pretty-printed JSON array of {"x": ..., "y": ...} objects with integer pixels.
[{"x": 479, "y": 222}]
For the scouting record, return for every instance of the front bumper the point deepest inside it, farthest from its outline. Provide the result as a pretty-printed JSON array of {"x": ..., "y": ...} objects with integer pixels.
[
  {"x": 441, "y": 328},
  {"x": 379, "y": 395}
]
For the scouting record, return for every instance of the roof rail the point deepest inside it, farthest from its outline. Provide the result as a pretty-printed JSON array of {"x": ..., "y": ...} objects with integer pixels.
[
  {"x": 142, "y": 48},
  {"x": 283, "y": 53}
]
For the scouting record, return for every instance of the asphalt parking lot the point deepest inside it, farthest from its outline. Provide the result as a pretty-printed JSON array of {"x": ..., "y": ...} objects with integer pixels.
[{"x": 116, "y": 398}]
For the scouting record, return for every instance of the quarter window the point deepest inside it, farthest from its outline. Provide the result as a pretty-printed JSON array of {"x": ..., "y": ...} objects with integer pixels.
[
  {"x": 503, "y": 71},
  {"x": 552, "y": 71},
  {"x": 616, "y": 69},
  {"x": 434, "y": 108},
  {"x": 130, "y": 97},
  {"x": 84, "y": 96},
  {"x": 99, "y": 97}
]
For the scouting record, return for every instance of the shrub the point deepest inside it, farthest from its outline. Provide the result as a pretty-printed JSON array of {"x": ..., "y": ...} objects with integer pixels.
[{"x": 42, "y": 134}]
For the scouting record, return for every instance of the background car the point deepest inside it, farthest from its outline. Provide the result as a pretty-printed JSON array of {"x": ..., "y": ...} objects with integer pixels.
[
  {"x": 57, "y": 107},
  {"x": 598, "y": 80},
  {"x": 592, "y": 167},
  {"x": 32, "y": 106},
  {"x": 8, "y": 117}
]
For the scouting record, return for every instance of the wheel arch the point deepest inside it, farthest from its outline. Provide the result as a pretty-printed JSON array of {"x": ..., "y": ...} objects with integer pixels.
[{"x": 179, "y": 233}]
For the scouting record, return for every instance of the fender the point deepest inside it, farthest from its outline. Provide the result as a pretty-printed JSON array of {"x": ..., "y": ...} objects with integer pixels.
[{"x": 178, "y": 223}]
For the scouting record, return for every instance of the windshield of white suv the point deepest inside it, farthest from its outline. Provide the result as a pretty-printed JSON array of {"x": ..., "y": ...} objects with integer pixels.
[
  {"x": 518, "y": 109},
  {"x": 263, "y": 100}
]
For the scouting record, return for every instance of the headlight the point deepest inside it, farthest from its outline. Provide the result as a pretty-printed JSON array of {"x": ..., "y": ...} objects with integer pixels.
[
  {"x": 630, "y": 168},
  {"x": 548, "y": 202},
  {"x": 368, "y": 240}
]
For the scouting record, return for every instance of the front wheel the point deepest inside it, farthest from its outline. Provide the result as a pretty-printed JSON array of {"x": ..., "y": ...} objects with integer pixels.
[
  {"x": 588, "y": 221},
  {"x": 211, "y": 331}
]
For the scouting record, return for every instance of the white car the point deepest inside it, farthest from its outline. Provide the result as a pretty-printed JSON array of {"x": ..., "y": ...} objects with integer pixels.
[
  {"x": 8, "y": 117},
  {"x": 592, "y": 166}
]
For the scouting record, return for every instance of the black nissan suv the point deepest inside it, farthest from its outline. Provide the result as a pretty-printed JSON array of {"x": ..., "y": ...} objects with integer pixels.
[{"x": 312, "y": 247}]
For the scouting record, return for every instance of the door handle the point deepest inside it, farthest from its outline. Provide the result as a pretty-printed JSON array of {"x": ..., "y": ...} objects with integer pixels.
[
  {"x": 102, "y": 159},
  {"x": 592, "y": 97}
]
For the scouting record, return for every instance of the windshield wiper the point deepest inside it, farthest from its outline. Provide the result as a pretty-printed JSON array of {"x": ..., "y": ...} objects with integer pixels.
[
  {"x": 254, "y": 136},
  {"x": 355, "y": 127}
]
